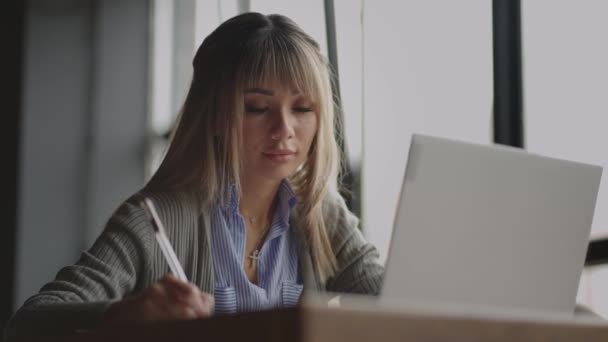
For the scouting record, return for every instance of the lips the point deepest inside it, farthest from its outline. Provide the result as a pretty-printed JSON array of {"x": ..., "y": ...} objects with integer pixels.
[
  {"x": 279, "y": 155},
  {"x": 279, "y": 152}
]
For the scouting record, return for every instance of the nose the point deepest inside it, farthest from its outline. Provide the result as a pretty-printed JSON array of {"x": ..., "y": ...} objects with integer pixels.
[{"x": 282, "y": 125}]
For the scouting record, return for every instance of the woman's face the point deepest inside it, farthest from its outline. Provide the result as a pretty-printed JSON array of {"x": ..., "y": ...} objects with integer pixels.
[{"x": 279, "y": 125}]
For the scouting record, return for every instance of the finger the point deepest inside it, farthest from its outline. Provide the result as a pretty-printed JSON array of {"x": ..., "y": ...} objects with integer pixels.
[
  {"x": 207, "y": 304},
  {"x": 179, "y": 311},
  {"x": 173, "y": 280},
  {"x": 193, "y": 301},
  {"x": 155, "y": 292},
  {"x": 183, "y": 295},
  {"x": 174, "y": 284},
  {"x": 188, "y": 294},
  {"x": 162, "y": 301},
  {"x": 155, "y": 311},
  {"x": 176, "y": 307},
  {"x": 208, "y": 300},
  {"x": 191, "y": 295},
  {"x": 152, "y": 305},
  {"x": 200, "y": 306}
]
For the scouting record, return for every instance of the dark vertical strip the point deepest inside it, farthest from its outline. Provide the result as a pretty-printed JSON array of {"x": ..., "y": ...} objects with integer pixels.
[
  {"x": 332, "y": 47},
  {"x": 508, "y": 89},
  {"x": 243, "y": 6},
  {"x": 93, "y": 10},
  {"x": 350, "y": 193},
  {"x": 13, "y": 50},
  {"x": 597, "y": 253}
]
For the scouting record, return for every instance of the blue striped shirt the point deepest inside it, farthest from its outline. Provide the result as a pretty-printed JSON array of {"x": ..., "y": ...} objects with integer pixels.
[{"x": 279, "y": 281}]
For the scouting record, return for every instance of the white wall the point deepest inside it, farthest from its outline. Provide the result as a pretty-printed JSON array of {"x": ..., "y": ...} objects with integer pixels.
[
  {"x": 53, "y": 142},
  {"x": 82, "y": 147},
  {"x": 118, "y": 108},
  {"x": 566, "y": 112},
  {"x": 428, "y": 69}
]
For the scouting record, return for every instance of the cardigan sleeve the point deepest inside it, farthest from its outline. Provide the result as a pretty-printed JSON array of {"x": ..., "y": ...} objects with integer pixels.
[
  {"x": 79, "y": 295},
  {"x": 358, "y": 266}
]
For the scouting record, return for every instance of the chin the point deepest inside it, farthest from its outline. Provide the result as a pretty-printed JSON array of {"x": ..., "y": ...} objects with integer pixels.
[
  {"x": 278, "y": 173},
  {"x": 276, "y": 176}
]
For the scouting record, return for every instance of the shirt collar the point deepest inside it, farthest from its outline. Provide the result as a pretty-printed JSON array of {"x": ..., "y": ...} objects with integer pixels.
[
  {"x": 286, "y": 200},
  {"x": 231, "y": 198}
]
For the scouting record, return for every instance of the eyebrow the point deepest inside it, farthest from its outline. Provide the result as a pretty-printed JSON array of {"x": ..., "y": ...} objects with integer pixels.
[{"x": 266, "y": 91}]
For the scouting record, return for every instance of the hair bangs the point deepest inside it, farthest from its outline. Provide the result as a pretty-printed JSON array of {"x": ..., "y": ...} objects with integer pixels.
[{"x": 279, "y": 59}]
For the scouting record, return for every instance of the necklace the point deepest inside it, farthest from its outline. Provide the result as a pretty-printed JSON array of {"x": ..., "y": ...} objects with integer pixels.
[{"x": 255, "y": 254}]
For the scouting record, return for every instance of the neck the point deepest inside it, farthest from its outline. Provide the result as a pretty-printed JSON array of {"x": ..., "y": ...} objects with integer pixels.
[{"x": 257, "y": 199}]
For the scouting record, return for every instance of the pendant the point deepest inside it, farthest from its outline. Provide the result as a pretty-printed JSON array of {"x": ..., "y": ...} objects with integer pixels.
[{"x": 254, "y": 256}]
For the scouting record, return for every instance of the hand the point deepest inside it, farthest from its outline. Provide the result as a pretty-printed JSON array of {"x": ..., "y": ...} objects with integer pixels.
[{"x": 167, "y": 299}]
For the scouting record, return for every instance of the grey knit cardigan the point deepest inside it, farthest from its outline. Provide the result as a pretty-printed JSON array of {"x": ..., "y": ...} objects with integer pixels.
[{"x": 126, "y": 259}]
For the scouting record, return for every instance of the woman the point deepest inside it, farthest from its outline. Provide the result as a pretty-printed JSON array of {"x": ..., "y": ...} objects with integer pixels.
[{"x": 247, "y": 192}]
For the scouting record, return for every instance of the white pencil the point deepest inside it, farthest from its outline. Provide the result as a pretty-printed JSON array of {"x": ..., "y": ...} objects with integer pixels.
[{"x": 163, "y": 242}]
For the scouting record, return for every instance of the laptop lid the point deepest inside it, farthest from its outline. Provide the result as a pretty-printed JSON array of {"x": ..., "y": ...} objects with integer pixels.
[{"x": 490, "y": 227}]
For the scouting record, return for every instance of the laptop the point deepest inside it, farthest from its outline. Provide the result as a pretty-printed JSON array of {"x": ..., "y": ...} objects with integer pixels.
[{"x": 489, "y": 228}]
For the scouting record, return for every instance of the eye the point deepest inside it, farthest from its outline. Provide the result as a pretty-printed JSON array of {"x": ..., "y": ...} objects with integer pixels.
[
  {"x": 255, "y": 109},
  {"x": 302, "y": 109}
]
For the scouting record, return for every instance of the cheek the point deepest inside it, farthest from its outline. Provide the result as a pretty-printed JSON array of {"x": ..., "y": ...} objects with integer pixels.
[
  {"x": 253, "y": 133},
  {"x": 309, "y": 130},
  {"x": 250, "y": 143}
]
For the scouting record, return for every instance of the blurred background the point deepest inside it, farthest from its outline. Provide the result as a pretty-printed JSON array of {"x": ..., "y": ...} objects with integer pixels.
[{"x": 95, "y": 86}]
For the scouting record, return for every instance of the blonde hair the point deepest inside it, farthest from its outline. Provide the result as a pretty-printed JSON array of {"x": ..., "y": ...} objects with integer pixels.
[{"x": 204, "y": 151}]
